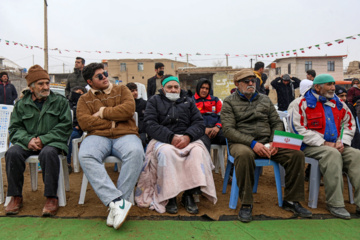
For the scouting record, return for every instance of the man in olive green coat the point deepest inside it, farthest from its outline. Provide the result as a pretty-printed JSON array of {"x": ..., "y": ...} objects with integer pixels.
[
  {"x": 249, "y": 120},
  {"x": 40, "y": 125}
]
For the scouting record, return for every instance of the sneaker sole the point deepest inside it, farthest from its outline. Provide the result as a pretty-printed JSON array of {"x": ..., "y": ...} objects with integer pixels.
[
  {"x": 296, "y": 213},
  {"x": 124, "y": 219},
  {"x": 244, "y": 220}
]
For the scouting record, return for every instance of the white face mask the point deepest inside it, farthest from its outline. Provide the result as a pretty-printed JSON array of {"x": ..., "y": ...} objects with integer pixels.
[
  {"x": 172, "y": 96},
  {"x": 355, "y": 85}
]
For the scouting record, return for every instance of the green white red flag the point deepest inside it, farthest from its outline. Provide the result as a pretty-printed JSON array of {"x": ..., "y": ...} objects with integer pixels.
[{"x": 287, "y": 140}]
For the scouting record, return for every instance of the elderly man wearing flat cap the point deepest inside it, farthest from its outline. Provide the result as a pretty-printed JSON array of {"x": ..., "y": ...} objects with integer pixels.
[
  {"x": 328, "y": 128},
  {"x": 249, "y": 120},
  {"x": 40, "y": 125}
]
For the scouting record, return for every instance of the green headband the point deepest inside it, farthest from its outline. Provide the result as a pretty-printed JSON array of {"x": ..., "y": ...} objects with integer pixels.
[{"x": 172, "y": 78}]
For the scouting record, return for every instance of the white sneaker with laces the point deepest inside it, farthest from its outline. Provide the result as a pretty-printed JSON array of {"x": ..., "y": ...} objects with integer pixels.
[{"x": 118, "y": 212}]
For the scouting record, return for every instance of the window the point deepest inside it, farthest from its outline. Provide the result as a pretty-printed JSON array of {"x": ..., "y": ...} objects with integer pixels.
[
  {"x": 122, "y": 67},
  {"x": 331, "y": 65},
  {"x": 278, "y": 70},
  {"x": 172, "y": 65},
  {"x": 289, "y": 68},
  {"x": 308, "y": 65},
  {"x": 140, "y": 67}
]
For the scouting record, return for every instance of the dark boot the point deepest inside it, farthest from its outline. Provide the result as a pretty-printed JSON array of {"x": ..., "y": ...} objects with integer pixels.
[
  {"x": 171, "y": 207},
  {"x": 187, "y": 200}
]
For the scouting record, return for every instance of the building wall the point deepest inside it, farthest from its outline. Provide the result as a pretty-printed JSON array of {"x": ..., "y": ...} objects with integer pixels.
[
  {"x": 319, "y": 64},
  {"x": 133, "y": 74}
]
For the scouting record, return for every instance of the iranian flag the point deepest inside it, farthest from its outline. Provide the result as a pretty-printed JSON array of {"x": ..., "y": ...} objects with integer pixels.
[{"x": 287, "y": 140}]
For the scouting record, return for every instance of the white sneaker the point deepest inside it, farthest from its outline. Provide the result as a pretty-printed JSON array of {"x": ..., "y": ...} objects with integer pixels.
[{"x": 118, "y": 212}]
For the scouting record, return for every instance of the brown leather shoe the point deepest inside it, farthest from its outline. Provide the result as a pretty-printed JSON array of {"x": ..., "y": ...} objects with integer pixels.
[
  {"x": 14, "y": 206},
  {"x": 51, "y": 207}
]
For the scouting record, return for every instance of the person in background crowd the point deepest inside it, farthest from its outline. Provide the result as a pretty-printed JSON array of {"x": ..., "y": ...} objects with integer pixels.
[
  {"x": 354, "y": 91},
  {"x": 8, "y": 92},
  {"x": 154, "y": 83},
  {"x": 305, "y": 84},
  {"x": 75, "y": 94},
  {"x": 342, "y": 94},
  {"x": 75, "y": 78},
  {"x": 285, "y": 89},
  {"x": 140, "y": 109},
  {"x": 260, "y": 77}
]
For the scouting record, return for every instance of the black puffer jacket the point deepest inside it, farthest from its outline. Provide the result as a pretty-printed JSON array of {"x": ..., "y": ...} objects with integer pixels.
[
  {"x": 164, "y": 118},
  {"x": 285, "y": 93},
  {"x": 140, "y": 109}
]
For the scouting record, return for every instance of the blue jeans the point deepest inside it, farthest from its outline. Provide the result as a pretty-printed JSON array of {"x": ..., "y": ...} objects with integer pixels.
[
  {"x": 94, "y": 149},
  {"x": 75, "y": 134}
]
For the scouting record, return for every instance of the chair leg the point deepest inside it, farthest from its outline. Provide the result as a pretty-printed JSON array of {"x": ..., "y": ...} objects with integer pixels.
[
  {"x": 216, "y": 159},
  {"x": 234, "y": 194},
  {"x": 34, "y": 175},
  {"x": 63, "y": 161},
  {"x": 278, "y": 182},
  {"x": 258, "y": 171},
  {"x": 282, "y": 175},
  {"x": 221, "y": 154},
  {"x": 75, "y": 158},
  {"x": 84, "y": 184},
  {"x": 61, "y": 185},
  {"x": 1, "y": 184},
  {"x": 351, "y": 195},
  {"x": 314, "y": 184},
  {"x": 227, "y": 176}
]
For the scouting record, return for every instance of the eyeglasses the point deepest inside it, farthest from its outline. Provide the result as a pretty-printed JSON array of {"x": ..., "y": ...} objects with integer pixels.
[
  {"x": 101, "y": 76},
  {"x": 247, "y": 81}
]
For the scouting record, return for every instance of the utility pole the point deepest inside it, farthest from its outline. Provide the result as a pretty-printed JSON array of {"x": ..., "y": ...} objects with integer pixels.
[
  {"x": 251, "y": 59},
  {"x": 33, "y": 60},
  {"x": 187, "y": 60},
  {"x": 46, "y": 49},
  {"x": 63, "y": 67},
  {"x": 227, "y": 59}
]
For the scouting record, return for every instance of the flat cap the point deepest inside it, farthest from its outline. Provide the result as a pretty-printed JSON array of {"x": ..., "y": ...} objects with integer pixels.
[{"x": 244, "y": 73}]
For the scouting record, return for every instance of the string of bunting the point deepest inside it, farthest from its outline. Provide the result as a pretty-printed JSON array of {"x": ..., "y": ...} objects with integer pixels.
[{"x": 281, "y": 53}]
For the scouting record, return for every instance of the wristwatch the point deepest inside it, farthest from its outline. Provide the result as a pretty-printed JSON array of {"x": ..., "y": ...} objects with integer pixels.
[{"x": 218, "y": 126}]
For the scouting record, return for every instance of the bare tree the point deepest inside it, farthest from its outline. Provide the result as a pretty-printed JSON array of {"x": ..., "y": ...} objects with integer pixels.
[{"x": 217, "y": 63}]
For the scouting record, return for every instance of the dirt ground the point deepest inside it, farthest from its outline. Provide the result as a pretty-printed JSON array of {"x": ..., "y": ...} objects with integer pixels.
[{"x": 265, "y": 201}]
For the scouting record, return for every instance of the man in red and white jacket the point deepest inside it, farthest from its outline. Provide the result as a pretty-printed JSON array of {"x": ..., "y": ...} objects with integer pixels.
[
  {"x": 210, "y": 108},
  {"x": 328, "y": 128}
]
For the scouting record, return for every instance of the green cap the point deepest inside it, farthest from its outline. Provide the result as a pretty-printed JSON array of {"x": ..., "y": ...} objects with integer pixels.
[
  {"x": 168, "y": 79},
  {"x": 323, "y": 78}
]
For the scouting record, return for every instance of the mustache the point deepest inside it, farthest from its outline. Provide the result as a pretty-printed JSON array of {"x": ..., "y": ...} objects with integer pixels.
[{"x": 249, "y": 87}]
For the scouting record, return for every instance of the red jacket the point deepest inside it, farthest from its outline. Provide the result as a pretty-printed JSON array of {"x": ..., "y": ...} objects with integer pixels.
[{"x": 210, "y": 108}]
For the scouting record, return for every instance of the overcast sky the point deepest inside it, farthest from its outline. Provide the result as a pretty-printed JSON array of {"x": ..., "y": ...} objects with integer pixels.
[{"x": 189, "y": 26}]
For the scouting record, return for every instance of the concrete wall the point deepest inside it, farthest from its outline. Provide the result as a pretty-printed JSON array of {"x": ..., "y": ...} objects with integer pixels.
[{"x": 132, "y": 74}]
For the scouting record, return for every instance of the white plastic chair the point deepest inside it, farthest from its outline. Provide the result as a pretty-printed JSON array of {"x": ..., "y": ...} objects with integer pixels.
[
  {"x": 218, "y": 155},
  {"x": 5, "y": 113},
  {"x": 109, "y": 159},
  {"x": 75, "y": 151}
]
